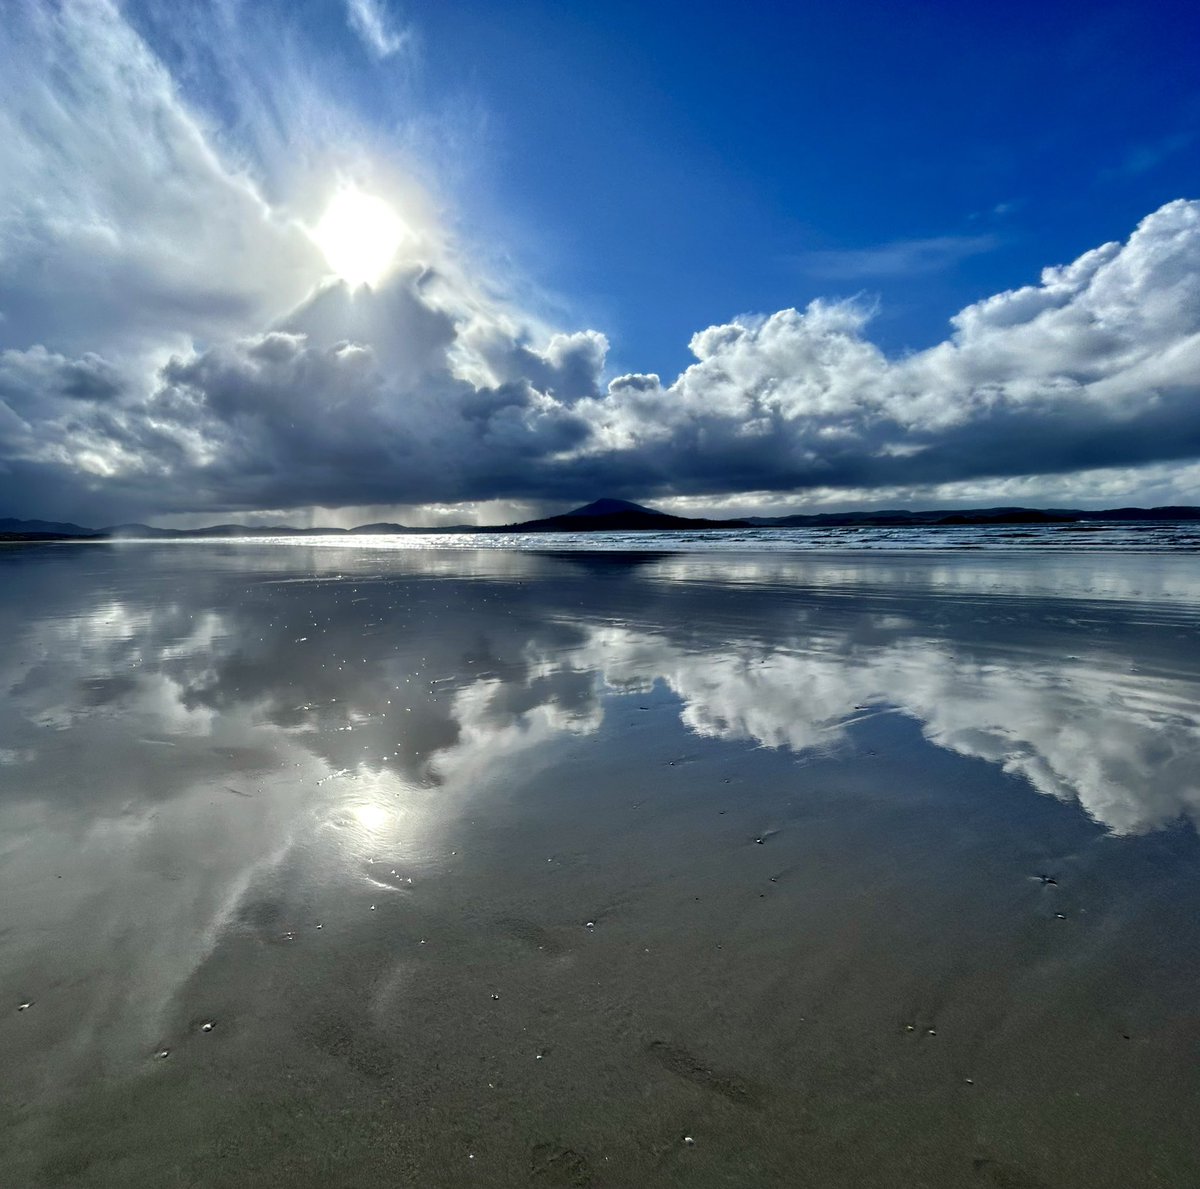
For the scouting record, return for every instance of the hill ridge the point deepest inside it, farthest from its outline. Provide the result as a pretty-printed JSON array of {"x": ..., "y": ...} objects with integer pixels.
[{"x": 614, "y": 515}]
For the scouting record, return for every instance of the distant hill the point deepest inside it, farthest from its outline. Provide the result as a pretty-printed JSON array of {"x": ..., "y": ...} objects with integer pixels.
[
  {"x": 1168, "y": 512},
  {"x": 144, "y": 532},
  {"x": 44, "y": 527},
  {"x": 381, "y": 528},
  {"x": 26, "y": 538},
  {"x": 959, "y": 516},
  {"x": 612, "y": 508},
  {"x": 903, "y": 516},
  {"x": 612, "y": 515}
]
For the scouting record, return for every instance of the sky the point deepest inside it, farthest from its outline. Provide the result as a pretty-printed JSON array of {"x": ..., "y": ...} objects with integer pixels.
[{"x": 334, "y": 261}]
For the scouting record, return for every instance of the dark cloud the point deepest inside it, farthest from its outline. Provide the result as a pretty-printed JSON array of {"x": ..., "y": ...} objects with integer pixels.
[{"x": 412, "y": 394}]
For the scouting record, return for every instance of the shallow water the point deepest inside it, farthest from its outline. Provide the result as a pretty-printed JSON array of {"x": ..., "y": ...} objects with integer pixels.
[
  {"x": 1069, "y": 537},
  {"x": 361, "y": 865}
]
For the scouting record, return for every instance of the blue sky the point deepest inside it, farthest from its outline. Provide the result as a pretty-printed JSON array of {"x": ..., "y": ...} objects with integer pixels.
[
  {"x": 711, "y": 257},
  {"x": 695, "y": 161}
]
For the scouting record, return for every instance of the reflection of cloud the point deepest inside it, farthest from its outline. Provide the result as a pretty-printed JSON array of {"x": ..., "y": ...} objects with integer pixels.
[
  {"x": 1021, "y": 575},
  {"x": 386, "y": 684},
  {"x": 499, "y": 722},
  {"x": 1126, "y": 747},
  {"x": 133, "y": 855},
  {"x": 168, "y": 742},
  {"x": 166, "y": 720}
]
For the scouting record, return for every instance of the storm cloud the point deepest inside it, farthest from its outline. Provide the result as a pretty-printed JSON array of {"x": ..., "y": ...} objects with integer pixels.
[{"x": 171, "y": 342}]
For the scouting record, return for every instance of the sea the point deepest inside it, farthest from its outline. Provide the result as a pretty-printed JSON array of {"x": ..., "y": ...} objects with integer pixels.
[{"x": 1152, "y": 536}]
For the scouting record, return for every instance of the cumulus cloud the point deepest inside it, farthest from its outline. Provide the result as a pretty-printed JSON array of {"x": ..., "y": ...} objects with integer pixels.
[
  {"x": 1095, "y": 366},
  {"x": 342, "y": 420},
  {"x": 172, "y": 343}
]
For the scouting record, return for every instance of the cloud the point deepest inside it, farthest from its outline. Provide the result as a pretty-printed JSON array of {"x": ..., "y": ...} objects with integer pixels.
[
  {"x": 170, "y": 341},
  {"x": 1095, "y": 366},
  {"x": 441, "y": 405},
  {"x": 121, "y": 230},
  {"x": 369, "y": 19},
  {"x": 900, "y": 258}
]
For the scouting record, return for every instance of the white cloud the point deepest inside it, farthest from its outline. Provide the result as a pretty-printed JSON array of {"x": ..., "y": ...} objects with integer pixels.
[
  {"x": 121, "y": 230},
  {"x": 370, "y": 20},
  {"x": 1095, "y": 366},
  {"x": 899, "y": 258}
]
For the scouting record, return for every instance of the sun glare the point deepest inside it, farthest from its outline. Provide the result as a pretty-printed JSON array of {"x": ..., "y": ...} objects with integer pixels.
[
  {"x": 359, "y": 235},
  {"x": 371, "y": 817}
]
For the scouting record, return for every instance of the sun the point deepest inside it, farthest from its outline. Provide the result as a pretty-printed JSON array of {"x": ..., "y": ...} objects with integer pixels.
[{"x": 359, "y": 234}]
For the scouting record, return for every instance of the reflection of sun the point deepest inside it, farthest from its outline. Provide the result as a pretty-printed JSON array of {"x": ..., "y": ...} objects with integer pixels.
[
  {"x": 371, "y": 817},
  {"x": 359, "y": 235}
]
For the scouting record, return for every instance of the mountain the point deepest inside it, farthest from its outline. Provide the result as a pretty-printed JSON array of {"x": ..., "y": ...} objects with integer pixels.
[
  {"x": 899, "y": 517},
  {"x": 146, "y": 532},
  {"x": 1170, "y": 512},
  {"x": 386, "y": 528},
  {"x": 143, "y": 532},
  {"x": 608, "y": 515},
  {"x": 611, "y": 508},
  {"x": 138, "y": 532},
  {"x": 960, "y": 516},
  {"x": 44, "y": 528}
]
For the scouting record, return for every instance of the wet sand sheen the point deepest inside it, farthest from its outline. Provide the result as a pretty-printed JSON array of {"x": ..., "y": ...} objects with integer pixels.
[{"x": 544, "y": 871}]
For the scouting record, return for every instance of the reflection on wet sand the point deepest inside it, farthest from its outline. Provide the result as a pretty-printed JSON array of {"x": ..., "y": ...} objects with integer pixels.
[{"x": 461, "y": 817}]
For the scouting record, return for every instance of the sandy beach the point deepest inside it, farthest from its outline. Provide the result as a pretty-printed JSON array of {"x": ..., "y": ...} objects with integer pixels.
[{"x": 513, "y": 868}]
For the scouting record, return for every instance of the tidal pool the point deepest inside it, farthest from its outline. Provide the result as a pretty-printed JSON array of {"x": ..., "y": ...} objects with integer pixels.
[{"x": 349, "y": 866}]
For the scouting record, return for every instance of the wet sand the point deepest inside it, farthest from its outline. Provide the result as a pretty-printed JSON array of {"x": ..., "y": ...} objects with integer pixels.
[{"x": 526, "y": 869}]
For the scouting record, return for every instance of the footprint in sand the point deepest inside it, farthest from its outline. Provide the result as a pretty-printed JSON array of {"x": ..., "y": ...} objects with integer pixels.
[
  {"x": 565, "y": 1168},
  {"x": 1006, "y": 1176},
  {"x": 530, "y": 934},
  {"x": 684, "y": 1065}
]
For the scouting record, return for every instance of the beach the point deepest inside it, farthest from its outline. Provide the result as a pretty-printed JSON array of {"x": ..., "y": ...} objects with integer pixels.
[{"x": 560, "y": 866}]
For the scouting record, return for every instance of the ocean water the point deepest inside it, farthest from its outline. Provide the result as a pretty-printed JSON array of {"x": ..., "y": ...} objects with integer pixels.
[
  {"x": 634, "y": 861},
  {"x": 1149, "y": 537}
]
